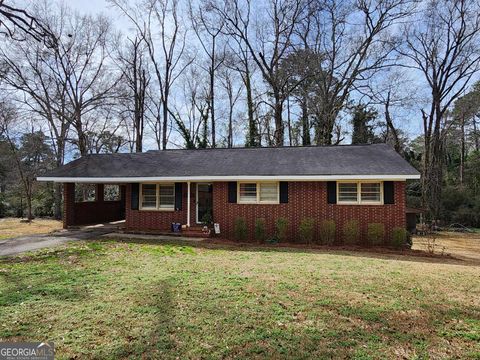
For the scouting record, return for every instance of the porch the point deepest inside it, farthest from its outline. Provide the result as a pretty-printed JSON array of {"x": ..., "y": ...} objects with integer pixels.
[{"x": 144, "y": 208}]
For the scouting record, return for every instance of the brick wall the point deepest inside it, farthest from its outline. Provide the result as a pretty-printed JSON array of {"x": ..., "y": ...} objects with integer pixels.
[
  {"x": 307, "y": 200},
  {"x": 159, "y": 220},
  {"x": 92, "y": 212}
]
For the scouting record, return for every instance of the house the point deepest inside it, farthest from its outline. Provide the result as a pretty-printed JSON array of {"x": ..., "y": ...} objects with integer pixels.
[{"x": 152, "y": 190}]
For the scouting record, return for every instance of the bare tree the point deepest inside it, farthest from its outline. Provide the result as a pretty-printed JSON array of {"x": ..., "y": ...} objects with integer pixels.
[
  {"x": 354, "y": 41},
  {"x": 132, "y": 64},
  {"x": 208, "y": 29},
  {"x": 18, "y": 24},
  {"x": 267, "y": 40},
  {"x": 444, "y": 47},
  {"x": 192, "y": 119},
  {"x": 30, "y": 152},
  {"x": 237, "y": 58},
  {"x": 32, "y": 71},
  {"x": 233, "y": 94},
  {"x": 167, "y": 59}
]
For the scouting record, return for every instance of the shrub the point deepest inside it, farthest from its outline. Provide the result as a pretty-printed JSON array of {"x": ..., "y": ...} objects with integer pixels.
[
  {"x": 306, "y": 230},
  {"x": 375, "y": 234},
  {"x": 260, "y": 231},
  {"x": 351, "y": 232},
  {"x": 240, "y": 229},
  {"x": 399, "y": 237},
  {"x": 327, "y": 232},
  {"x": 282, "y": 226}
]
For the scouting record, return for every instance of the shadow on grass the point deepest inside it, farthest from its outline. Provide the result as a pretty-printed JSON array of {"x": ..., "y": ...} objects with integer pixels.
[
  {"x": 155, "y": 340},
  {"x": 373, "y": 253}
]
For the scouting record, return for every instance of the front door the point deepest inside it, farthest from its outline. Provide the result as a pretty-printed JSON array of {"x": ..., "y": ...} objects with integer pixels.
[{"x": 204, "y": 203}]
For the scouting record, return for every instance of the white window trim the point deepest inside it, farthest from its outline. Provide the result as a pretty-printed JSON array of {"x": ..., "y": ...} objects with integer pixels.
[
  {"x": 156, "y": 208},
  {"x": 258, "y": 193},
  {"x": 359, "y": 194}
]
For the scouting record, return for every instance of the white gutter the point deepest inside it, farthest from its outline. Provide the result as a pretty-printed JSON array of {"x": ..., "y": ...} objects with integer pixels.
[{"x": 106, "y": 180}]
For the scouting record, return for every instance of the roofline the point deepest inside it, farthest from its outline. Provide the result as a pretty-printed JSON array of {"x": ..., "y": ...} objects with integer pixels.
[{"x": 226, "y": 178}]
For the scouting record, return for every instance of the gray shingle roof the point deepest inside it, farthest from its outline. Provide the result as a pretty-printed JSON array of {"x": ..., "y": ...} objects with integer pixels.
[{"x": 377, "y": 159}]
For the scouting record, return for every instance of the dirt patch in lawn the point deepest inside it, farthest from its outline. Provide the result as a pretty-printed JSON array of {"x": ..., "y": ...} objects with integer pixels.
[
  {"x": 13, "y": 227},
  {"x": 465, "y": 246}
]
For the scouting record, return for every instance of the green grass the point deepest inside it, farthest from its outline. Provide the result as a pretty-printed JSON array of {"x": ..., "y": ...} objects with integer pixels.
[{"x": 114, "y": 300}]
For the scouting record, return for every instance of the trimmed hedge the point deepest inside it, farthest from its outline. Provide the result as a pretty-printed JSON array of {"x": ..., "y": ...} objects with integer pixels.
[
  {"x": 260, "y": 230},
  {"x": 375, "y": 234},
  {"x": 327, "y": 232},
  {"x": 281, "y": 226},
  {"x": 351, "y": 232},
  {"x": 306, "y": 230},
  {"x": 399, "y": 237},
  {"x": 240, "y": 229}
]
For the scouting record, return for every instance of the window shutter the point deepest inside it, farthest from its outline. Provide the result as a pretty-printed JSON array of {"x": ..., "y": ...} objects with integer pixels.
[
  {"x": 134, "y": 196},
  {"x": 331, "y": 192},
  {"x": 283, "y": 192},
  {"x": 232, "y": 191},
  {"x": 388, "y": 192},
  {"x": 178, "y": 196}
]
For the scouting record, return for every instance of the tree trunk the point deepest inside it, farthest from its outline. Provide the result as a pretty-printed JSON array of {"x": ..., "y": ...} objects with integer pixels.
[
  {"x": 476, "y": 134},
  {"x": 279, "y": 128},
  {"x": 165, "y": 121},
  {"x": 289, "y": 123},
  {"x": 390, "y": 125},
  {"x": 253, "y": 136},
  {"x": 82, "y": 141},
  {"x": 462, "y": 151},
  {"x": 305, "y": 123},
  {"x": 212, "y": 101}
]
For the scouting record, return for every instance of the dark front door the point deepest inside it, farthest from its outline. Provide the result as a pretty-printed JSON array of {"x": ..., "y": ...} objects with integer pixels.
[{"x": 204, "y": 203}]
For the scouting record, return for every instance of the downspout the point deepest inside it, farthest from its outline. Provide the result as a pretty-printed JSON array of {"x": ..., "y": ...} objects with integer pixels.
[{"x": 188, "y": 204}]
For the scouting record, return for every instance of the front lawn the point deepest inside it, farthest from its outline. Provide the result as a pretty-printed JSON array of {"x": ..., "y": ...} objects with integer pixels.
[
  {"x": 13, "y": 227},
  {"x": 109, "y": 299}
]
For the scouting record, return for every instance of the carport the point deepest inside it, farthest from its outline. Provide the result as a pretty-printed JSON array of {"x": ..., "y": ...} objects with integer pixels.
[{"x": 92, "y": 203}]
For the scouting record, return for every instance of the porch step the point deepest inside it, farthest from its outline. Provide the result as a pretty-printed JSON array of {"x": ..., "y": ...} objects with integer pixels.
[{"x": 194, "y": 231}]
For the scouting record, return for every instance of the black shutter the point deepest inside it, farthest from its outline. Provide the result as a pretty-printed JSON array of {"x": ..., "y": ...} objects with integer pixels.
[
  {"x": 331, "y": 192},
  {"x": 178, "y": 196},
  {"x": 388, "y": 192},
  {"x": 232, "y": 191},
  {"x": 134, "y": 196},
  {"x": 283, "y": 192}
]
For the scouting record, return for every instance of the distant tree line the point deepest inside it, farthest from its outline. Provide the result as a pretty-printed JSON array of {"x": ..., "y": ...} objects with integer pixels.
[{"x": 225, "y": 73}]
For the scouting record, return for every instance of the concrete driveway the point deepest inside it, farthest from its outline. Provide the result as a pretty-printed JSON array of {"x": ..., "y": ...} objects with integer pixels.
[{"x": 21, "y": 244}]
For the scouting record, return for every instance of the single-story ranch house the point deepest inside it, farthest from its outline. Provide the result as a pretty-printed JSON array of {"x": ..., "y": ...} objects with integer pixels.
[{"x": 154, "y": 189}]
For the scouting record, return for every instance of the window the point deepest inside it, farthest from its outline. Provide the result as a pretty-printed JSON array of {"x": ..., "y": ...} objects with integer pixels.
[
  {"x": 248, "y": 193},
  {"x": 166, "y": 196},
  {"x": 357, "y": 192},
  {"x": 111, "y": 193},
  {"x": 268, "y": 192},
  {"x": 158, "y": 197},
  {"x": 347, "y": 192},
  {"x": 85, "y": 192},
  {"x": 262, "y": 192},
  {"x": 370, "y": 192},
  {"x": 149, "y": 196}
]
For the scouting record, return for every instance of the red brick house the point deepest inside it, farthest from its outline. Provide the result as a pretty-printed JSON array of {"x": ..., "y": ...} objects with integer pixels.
[{"x": 152, "y": 190}]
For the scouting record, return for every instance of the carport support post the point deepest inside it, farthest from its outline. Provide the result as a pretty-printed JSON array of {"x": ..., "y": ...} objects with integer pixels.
[{"x": 188, "y": 204}]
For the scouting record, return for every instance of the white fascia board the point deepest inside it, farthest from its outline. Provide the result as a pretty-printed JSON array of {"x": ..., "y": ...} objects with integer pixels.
[{"x": 106, "y": 180}]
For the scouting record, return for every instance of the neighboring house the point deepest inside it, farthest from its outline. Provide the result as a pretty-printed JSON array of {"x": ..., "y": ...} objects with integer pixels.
[{"x": 154, "y": 189}]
